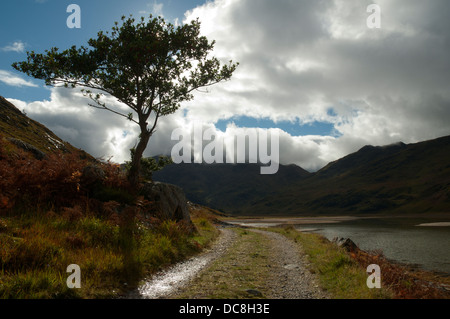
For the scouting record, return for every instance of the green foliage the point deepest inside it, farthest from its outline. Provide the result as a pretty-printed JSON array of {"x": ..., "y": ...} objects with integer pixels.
[
  {"x": 37, "y": 285},
  {"x": 151, "y": 66},
  {"x": 149, "y": 164},
  {"x": 98, "y": 232}
]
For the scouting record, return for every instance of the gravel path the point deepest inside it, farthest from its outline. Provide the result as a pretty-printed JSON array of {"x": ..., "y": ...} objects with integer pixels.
[
  {"x": 290, "y": 278},
  {"x": 169, "y": 281}
]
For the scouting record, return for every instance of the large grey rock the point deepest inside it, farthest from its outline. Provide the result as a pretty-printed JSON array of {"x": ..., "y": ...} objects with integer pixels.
[{"x": 169, "y": 201}]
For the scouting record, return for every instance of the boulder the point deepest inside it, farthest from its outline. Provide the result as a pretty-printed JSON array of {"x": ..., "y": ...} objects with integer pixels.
[
  {"x": 346, "y": 243},
  {"x": 169, "y": 201},
  {"x": 92, "y": 175},
  {"x": 37, "y": 153}
]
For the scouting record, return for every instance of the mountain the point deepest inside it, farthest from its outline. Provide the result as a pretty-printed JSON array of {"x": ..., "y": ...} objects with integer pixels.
[
  {"x": 397, "y": 178},
  {"x": 228, "y": 186}
]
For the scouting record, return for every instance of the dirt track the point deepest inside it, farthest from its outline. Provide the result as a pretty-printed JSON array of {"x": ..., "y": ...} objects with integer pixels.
[{"x": 246, "y": 263}]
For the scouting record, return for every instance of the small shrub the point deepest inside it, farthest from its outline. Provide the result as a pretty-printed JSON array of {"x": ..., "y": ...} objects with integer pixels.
[
  {"x": 37, "y": 285},
  {"x": 72, "y": 214},
  {"x": 76, "y": 241},
  {"x": 176, "y": 231},
  {"x": 111, "y": 208},
  {"x": 35, "y": 253},
  {"x": 3, "y": 225},
  {"x": 98, "y": 232},
  {"x": 404, "y": 283}
]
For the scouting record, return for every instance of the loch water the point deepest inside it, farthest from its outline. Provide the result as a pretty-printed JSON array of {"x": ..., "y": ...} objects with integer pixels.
[{"x": 400, "y": 239}]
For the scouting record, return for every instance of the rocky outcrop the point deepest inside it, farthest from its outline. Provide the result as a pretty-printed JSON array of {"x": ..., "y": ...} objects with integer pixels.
[
  {"x": 92, "y": 175},
  {"x": 169, "y": 201},
  {"x": 346, "y": 243},
  {"x": 37, "y": 153}
]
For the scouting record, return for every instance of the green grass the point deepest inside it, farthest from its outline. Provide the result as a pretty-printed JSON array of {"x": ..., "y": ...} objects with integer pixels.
[
  {"x": 338, "y": 274},
  {"x": 35, "y": 251}
]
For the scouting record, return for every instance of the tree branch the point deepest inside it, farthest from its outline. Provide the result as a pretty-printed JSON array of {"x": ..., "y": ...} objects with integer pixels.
[
  {"x": 152, "y": 130},
  {"x": 104, "y": 107},
  {"x": 95, "y": 87}
]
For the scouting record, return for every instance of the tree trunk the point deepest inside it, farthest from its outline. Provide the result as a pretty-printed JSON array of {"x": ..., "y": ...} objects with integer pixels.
[{"x": 135, "y": 170}]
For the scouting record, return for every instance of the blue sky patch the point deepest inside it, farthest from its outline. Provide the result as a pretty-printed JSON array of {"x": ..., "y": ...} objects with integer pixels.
[{"x": 293, "y": 128}]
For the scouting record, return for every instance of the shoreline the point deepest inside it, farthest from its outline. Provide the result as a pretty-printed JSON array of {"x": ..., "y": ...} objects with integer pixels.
[
  {"x": 437, "y": 224},
  {"x": 435, "y": 221}
]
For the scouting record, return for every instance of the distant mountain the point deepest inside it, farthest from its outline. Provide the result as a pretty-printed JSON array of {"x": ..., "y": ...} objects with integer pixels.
[
  {"x": 228, "y": 186},
  {"x": 397, "y": 178}
]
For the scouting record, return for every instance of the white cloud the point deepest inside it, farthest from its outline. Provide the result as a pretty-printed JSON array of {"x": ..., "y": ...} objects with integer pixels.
[
  {"x": 157, "y": 9},
  {"x": 14, "y": 80},
  {"x": 17, "y": 46},
  {"x": 300, "y": 61}
]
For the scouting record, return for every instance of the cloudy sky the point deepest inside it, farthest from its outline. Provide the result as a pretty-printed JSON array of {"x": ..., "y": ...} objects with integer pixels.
[{"x": 310, "y": 69}]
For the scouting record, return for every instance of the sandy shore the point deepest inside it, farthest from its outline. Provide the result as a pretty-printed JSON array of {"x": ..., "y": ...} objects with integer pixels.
[
  {"x": 268, "y": 222},
  {"x": 439, "y": 224}
]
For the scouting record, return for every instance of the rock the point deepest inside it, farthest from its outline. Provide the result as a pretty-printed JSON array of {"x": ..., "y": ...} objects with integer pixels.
[
  {"x": 254, "y": 292},
  {"x": 92, "y": 175},
  {"x": 291, "y": 266},
  {"x": 346, "y": 243},
  {"x": 37, "y": 153},
  {"x": 169, "y": 201}
]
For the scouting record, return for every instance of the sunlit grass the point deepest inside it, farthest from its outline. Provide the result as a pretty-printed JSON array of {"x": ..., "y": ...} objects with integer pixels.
[{"x": 36, "y": 250}]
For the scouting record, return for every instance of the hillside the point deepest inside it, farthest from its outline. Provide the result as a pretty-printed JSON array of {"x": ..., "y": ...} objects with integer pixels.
[
  {"x": 17, "y": 126},
  {"x": 397, "y": 178}
]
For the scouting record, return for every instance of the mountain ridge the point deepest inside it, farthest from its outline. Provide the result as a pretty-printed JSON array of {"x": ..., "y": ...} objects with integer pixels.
[{"x": 396, "y": 178}]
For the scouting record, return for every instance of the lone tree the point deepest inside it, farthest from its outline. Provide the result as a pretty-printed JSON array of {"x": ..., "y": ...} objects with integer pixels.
[{"x": 149, "y": 66}]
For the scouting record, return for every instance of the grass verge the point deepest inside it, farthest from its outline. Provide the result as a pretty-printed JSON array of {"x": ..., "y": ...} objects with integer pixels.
[
  {"x": 340, "y": 275},
  {"x": 36, "y": 249},
  {"x": 343, "y": 274}
]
